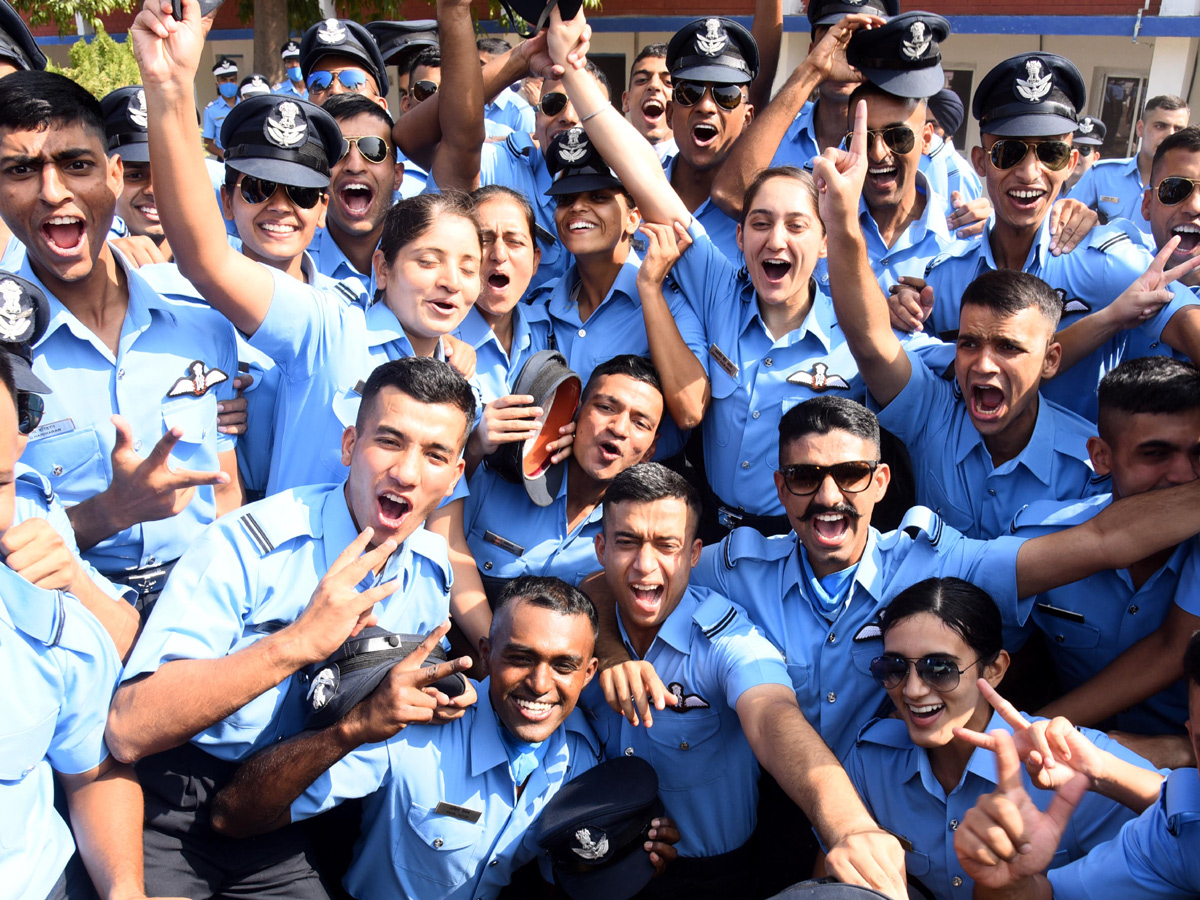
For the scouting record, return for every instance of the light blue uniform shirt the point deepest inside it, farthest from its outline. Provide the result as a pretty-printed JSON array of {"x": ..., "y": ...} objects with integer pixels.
[
  {"x": 251, "y": 574},
  {"x": 495, "y": 369},
  {"x": 721, "y": 229},
  {"x": 1091, "y": 622},
  {"x": 894, "y": 777},
  {"x": 708, "y": 653},
  {"x": 1088, "y": 279},
  {"x": 517, "y": 163},
  {"x": 1114, "y": 187},
  {"x": 166, "y": 351},
  {"x": 953, "y": 468},
  {"x": 60, "y": 669},
  {"x": 1153, "y": 857},
  {"x": 35, "y": 499},
  {"x": 408, "y": 847},
  {"x": 287, "y": 86},
  {"x": 924, "y": 239},
  {"x": 214, "y": 116},
  {"x": 510, "y": 535},
  {"x": 949, "y": 171},
  {"x": 333, "y": 264},
  {"x": 325, "y": 349},
  {"x": 799, "y": 144},
  {"x": 829, "y": 657},
  {"x": 511, "y": 110},
  {"x": 14, "y": 255}
]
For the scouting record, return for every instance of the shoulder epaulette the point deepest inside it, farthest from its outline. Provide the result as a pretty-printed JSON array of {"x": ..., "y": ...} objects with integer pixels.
[
  {"x": 748, "y": 543},
  {"x": 1181, "y": 800},
  {"x": 38, "y": 481},
  {"x": 714, "y": 615},
  {"x": 920, "y": 522}
]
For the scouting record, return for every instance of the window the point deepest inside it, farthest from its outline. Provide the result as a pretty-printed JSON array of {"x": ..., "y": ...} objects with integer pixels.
[{"x": 1120, "y": 104}]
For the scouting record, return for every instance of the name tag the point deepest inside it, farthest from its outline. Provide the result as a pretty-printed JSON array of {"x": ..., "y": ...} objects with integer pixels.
[
  {"x": 457, "y": 812},
  {"x": 503, "y": 543},
  {"x": 731, "y": 368},
  {"x": 360, "y": 387},
  {"x": 1069, "y": 614},
  {"x": 1104, "y": 199},
  {"x": 50, "y": 429},
  {"x": 904, "y": 842}
]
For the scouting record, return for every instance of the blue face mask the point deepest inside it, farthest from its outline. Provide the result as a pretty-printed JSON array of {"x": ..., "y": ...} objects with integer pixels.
[
  {"x": 294, "y": 73},
  {"x": 228, "y": 89}
]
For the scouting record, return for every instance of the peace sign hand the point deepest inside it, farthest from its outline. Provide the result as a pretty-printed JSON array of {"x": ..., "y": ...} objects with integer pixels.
[{"x": 1148, "y": 293}]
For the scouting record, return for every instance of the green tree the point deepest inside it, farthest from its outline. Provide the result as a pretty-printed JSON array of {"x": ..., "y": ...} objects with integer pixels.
[{"x": 101, "y": 64}]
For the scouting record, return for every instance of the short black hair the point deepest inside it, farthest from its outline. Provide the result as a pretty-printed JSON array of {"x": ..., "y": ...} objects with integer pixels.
[
  {"x": 548, "y": 593},
  {"x": 430, "y": 57},
  {"x": 867, "y": 90},
  {"x": 1147, "y": 384},
  {"x": 654, "y": 51},
  {"x": 821, "y": 415},
  {"x": 426, "y": 380},
  {"x": 32, "y": 100},
  {"x": 648, "y": 482},
  {"x": 350, "y": 104},
  {"x": 1184, "y": 139},
  {"x": 628, "y": 364},
  {"x": 493, "y": 45},
  {"x": 967, "y": 610},
  {"x": 1169, "y": 102},
  {"x": 1008, "y": 292}
]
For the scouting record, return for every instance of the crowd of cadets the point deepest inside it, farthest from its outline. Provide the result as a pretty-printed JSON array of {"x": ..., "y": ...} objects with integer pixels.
[{"x": 865, "y": 424}]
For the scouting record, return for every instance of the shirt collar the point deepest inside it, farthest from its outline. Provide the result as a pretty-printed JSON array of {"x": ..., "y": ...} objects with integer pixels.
[
  {"x": 868, "y": 573},
  {"x": 475, "y": 331},
  {"x": 1038, "y": 253},
  {"x": 383, "y": 328},
  {"x": 1131, "y": 168},
  {"x": 329, "y": 250},
  {"x": 933, "y": 218},
  {"x": 561, "y": 306},
  {"x": 338, "y": 531},
  {"x": 1036, "y": 455},
  {"x": 676, "y": 630},
  {"x": 487, "y": 747}
]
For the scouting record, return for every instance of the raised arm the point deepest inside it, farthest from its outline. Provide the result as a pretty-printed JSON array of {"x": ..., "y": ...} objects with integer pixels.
[
  {"x": 755, "y": 149},
  {"x": 861, "y": 308},
  {"x": 168, "y": 53},
  {"x": 632, "y": 158},
  {"x": 767, "y": 31},
  {"x": 460, "y": 110}
]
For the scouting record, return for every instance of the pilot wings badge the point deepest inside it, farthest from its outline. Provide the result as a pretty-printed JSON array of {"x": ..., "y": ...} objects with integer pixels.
[
  {"x": 137, "y": 109},
  {"x": 575, "y": 148},
  {"x": 197, "y": 381},
  {"x": 331, "y": 32},
  {"x": 685, "y": 701},
  {"x": 713, "y": 41},
  {"x": 818, "y": 379},
  {"x": 918, "y": 43},
  {"x": 1036, "y": 85},
  {"x": 286, "y": 127},
  {"x": 15, "y": 323},
  {"x": 590, "y": 848}
]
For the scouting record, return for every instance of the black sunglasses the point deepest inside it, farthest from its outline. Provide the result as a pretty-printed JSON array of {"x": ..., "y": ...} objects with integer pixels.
[
  {"x": 1085, "y": 150},
  {"x": 850, "y": 477},
  {"x": 351, "y": 79},
  {"x": 898, "y": 138},
  {"x": 371, "y": 148},
  {"x": 689, "y": 93},
  {"x": 1053, "y": 155},
  {"x": 553, "y": 103},
  {"x": 259, "y": 190},
  {"x": 30, "y": 409},
  {"x": 938, "y": 672},
  {"x": 1175, "y": 189},
  {"x": 423, "y": 90}
]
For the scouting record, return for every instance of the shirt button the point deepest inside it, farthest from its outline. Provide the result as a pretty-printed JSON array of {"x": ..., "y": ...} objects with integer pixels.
[
  {"x": 954, "y": 824},
  {"x": 755, "y": 414},
  {"x": 745, "y": 463},
  {"x": 992, "y": 492},
  {"x": 831, "y": 697},
  {"x": 488, "y": 565},
  {"x": 629, "y": 751},
  {"x": 57, "y": 470},
  {"x": 768, "y": 362},
  {"x": 956, "y": 881},
  {"x": 1133, "y": 610},
  {"x": 832, "y": 637},
  {"x": 150, "y": 561},
  {"x": 494, "y": 862},
  {"x": 437, "y": 842},
  {"x": 683, "y": 745},
  {"x": 583, "y": 332},
  {"x": 120, "y": 374},
  {"x": 137, "y": 445},
  {"x": 1059, "y": 638}
]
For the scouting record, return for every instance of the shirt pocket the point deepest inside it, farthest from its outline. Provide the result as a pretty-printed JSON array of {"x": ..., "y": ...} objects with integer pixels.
[
  {"x": 439, "y": 849},
  {"x": 196, "y": 418},
  {"x": 73, "y": 463},
  {"x": 863, "y": 651},
  {"x": 21, "y": 752},
  {"x": 685, "y": 748},
  {"x": 1067, "y": 633},
  {"x": 724, "y": 388}
]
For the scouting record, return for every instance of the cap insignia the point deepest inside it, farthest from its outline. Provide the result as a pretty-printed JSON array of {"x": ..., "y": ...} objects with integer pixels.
[
  {"x": 322, "y": 689},
  {"x": 574, "y": 149},
  {"x": 136, "y": 110},
  {"x": 16, "y": 324},
  {"x": 286, "y": 127},
  {"x": 713, "y": 41},
  {"x": 331, "y": 32},
  {"x": 590, "y": 848},
  {"x": 918, "y": 42},
  {"x": 1035, "y": 86},
  {"x": 1085, "y": 125}
]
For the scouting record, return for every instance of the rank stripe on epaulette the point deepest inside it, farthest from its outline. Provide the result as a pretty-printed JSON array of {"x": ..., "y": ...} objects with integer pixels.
[
  {"x": 256, "y": 533},
  {"x": 349, "y": 292},
  {"x": 724, "y": 623},
  {"x": 1115, "y": 239},
  {"x": 60, "y": 618}
]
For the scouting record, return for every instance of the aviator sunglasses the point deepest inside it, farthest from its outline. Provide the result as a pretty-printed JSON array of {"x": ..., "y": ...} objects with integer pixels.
[
  {"x": 899, "y": 139},
  {"x": 938, "y": 672},
  {"x": 259, "y": 190},
  {"x": 689, "y": 93},
  {"x": 1053, "y": 155},
  {"x": 30, "y": 409},
  {"x": 351, "y": 79},
  {"x": 370, "y": 147},
  {"x": 851, "y": 477},
  {"x": 553, "y": 103},
  {"x": 1174, "y": 189},
  {"x": 423, "y": 90}
]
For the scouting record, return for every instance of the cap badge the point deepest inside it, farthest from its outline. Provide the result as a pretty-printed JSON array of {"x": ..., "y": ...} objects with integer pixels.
[
  {"x": 16, "y": 324},
  {"x": 258, "y": 82},
  {"x": 855, "y": 2},
  {"x": 322, "y": 689},
  {"x": 574, "y": 149},
  {"x": 137, "y": 109},
  {"x": 197, "y": 381},
  {"x": 1035, "y": 86},
  {"x": 331, "y": 32},
  {"x": 713, "y": 41},
  {"x": 590, "y": 848},
  {"x": 290, "y": 128},
  {"x": 1085, "y": 125},
  {"x": 918, "y": 43}
]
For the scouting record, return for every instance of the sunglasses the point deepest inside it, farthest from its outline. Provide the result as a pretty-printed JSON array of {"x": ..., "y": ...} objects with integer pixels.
[
  {"x": 850, "y": 477},
  {"x": 1053, "y": 155},
  {"x": 351, "y": 79},
  {"x": 553, "y": 103},
  {"x": 937, "y": 672},
  {"x": 259, "y": 190},
  {"x": 423, "y": 90},
  {"x": 370, "y": 147},
  {"x": 1085, "y": 150},
  {"x": 1175, "y": 189},
  {"x": 899, "y": 139},
  {"x": 30, "y": 409},
  {"x": 689, "y": 93}
]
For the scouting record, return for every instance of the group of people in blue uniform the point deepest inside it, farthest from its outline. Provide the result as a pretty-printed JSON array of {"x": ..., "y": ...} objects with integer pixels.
[{"x": 369, "y": 478}]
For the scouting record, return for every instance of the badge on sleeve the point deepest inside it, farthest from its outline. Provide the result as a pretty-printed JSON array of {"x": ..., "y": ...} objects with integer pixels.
[{"x": 197, "y": 381}]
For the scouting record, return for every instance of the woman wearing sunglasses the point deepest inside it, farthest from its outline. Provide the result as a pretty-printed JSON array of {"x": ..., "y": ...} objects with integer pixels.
[{"x": 941, "y": 643}]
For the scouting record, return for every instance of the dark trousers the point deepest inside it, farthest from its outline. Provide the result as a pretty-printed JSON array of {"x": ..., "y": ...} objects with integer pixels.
[
  {"x": 186, "y": 858},
  {"x": 706, "y": 878},
  {"x": 74, "y": 883}
]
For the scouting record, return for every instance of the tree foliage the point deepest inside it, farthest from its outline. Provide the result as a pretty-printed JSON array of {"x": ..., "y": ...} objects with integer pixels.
[
  {"x": 101, "y": 64},
  {"x": 63, "y": 12}
]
